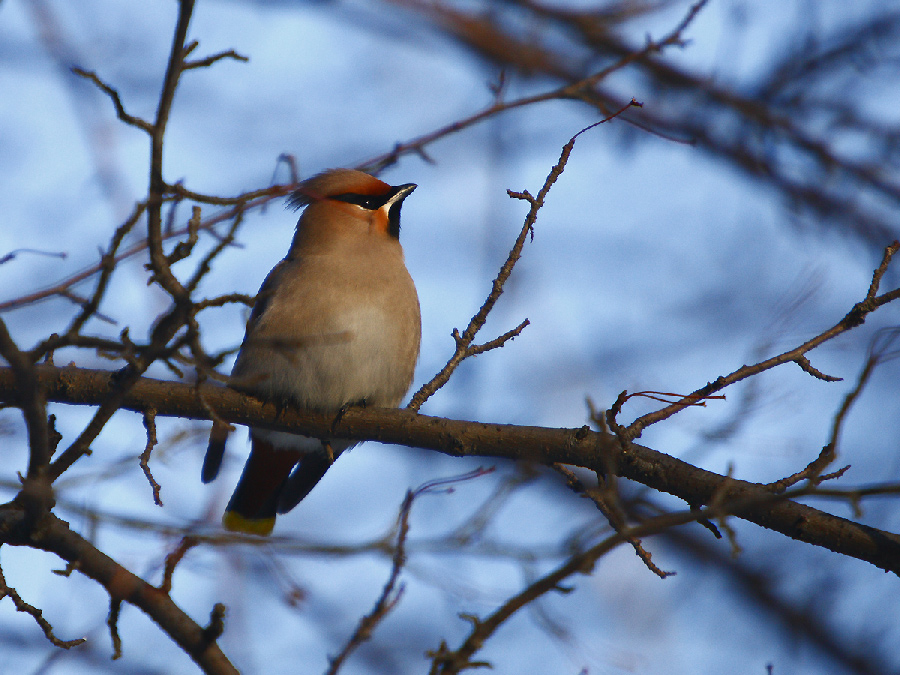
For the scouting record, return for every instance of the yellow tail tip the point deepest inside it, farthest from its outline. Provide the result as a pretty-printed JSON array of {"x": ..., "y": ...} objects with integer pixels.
[{"x": 235, "y": 522}]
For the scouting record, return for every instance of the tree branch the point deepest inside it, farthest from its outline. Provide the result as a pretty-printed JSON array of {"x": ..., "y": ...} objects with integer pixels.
[
  {"x": 56, "y": 537},
  {"x": 579, "y": 447}
]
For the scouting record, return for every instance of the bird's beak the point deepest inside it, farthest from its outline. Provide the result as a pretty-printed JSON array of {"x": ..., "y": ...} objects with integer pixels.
[{"x": 401, "y": 192}]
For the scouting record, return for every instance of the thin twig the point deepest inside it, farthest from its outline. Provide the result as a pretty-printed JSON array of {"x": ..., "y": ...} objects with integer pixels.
[
  {"x": 172, "y": 560},
  {"x": 447, "y": 662},
  {"x": 90, "y": 307},
  {"x": 209, "y": 60},
  {"x": 112, "y": 622},
  {"x": 855, "y": 317},
  {"x": 34, "y": 251},
  {"x": 573, "y": 90},
  {"x": 464, "y": 347},
  {"x": 150, "y": 426},
  {"x": 121, "y": 113},
  {"x": 813, "y": 471},
  {"x": 184, "y": 248},
  {"x": 614, "y": 515},
  {"x": 7, "y": 591},
  {"x": 388, "y": 599}
]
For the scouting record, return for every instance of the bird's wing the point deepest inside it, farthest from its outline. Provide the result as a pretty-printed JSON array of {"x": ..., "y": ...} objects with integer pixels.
[{"x": 215, "y": 451}]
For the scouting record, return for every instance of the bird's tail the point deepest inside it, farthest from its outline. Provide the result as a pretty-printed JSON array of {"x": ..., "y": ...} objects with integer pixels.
[
  {"x": 215, "y": 451},
  {"x": 253, "y": 505},
  {"x": 303, "y": 479}
]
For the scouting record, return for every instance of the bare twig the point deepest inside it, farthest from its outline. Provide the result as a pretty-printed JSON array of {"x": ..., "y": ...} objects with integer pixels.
[
  {"x": 150, "y": 426},
  {"x": 464, "y": 342},
  {"x": 209, "y": 60},
  {"x": 614, "y": 515},
  {"x": 855, "y": 317},
  {"x": 121, "y": 113},
  {"x": 813, "y": 471},
  {"x": 462, "y": 25},
  {"x": 228, "y": 298},
  {"x": 172, "y": 560},
  {"x": 447, "y": 662},
  {"x": 159, "y": 265},
  {"x": 184, "y": 248},
  {"x": 216, "y": 626},
  {"x": 34, "y": 251},
  {"x": 112, "y": 622},
  {"x": 807, "y": 367},
  {"x": 205, "y": 264},
  {"x": 7, "y": 591},
  {"x": 389, "y": 596}
]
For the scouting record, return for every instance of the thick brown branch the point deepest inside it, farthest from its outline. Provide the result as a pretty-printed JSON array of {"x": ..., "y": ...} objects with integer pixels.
[
  {"x": 29, "y": 397},
  {"x": 56, "y": 537},
  {"x": 589, "y": 449}
]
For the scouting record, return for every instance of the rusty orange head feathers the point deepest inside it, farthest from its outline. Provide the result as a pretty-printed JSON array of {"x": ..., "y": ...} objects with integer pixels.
[{"x": 356, "y": 194}]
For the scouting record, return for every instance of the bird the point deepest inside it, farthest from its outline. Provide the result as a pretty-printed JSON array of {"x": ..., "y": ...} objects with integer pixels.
[{"x": 336, "y": 323}]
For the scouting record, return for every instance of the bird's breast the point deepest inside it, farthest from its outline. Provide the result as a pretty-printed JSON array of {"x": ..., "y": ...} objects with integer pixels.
[{"x": 335, "y": 333}]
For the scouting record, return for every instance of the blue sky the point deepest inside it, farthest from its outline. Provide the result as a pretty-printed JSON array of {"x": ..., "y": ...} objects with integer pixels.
[{"x": 653, "y": 266}]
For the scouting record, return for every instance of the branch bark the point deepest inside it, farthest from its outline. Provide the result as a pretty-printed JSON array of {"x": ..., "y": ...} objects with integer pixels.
[
  {"x": 596, "y": 451},
  {"x": 56, "y": 537}
]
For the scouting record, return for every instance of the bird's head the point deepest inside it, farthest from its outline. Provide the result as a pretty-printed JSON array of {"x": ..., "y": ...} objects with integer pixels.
[{"x": 346, "y": 202}]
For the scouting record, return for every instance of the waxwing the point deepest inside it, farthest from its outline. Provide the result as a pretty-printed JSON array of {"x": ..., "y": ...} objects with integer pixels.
[{"x": 336, "y": 323}]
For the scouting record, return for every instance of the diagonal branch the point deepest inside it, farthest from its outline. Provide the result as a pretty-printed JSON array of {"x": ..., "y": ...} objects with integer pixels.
[
  {"x": 7, "y": 591},
  {"x": 56, "y": 537},
  {"x": 121, "y": 113},
  {"x": 464, "y": 346},
  {"x": 446, "y": 662},
  {"x": 855, "y": 317}
]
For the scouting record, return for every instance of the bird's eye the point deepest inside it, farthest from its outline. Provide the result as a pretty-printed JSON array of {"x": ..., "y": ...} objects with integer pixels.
[{"x": 370, "y": 202}]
